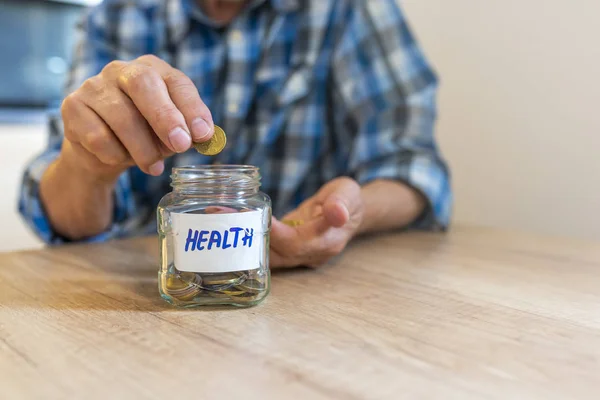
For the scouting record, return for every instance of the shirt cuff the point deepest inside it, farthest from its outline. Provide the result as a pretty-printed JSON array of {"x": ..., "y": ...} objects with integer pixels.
[{"x": 35, "y": 216}]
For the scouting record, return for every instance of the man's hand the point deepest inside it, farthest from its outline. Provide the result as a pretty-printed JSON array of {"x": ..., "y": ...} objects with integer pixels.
[
  {"x": 331, "y": 219},
  {"x": 338, "y": 212},
  {"x": 132, "y": 113}
]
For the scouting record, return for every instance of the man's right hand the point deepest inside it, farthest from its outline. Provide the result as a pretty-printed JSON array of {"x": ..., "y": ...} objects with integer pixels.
[{"x": 132, "y": 113}]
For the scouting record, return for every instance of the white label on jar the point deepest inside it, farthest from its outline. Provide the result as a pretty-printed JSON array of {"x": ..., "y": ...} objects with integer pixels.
[{"x": 218, "y": 242}]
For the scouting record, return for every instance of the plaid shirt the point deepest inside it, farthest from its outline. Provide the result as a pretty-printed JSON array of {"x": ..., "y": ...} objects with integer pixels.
[{"x": 307, "y": 90}]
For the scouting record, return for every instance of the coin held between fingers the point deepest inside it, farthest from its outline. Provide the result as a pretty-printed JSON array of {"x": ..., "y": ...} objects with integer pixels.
[{"x": 213, "y": 146}]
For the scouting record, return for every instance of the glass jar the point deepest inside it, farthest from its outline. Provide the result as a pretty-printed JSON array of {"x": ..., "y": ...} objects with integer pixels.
[{"x": 214, "y": 237}]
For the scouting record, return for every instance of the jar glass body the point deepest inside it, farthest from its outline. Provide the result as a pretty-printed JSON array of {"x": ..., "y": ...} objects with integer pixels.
[{"x": 214, "y": 237}]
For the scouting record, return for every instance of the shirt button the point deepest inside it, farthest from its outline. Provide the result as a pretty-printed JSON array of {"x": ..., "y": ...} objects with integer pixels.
[
  {"x": 236, "y": 36},
  {"x": 233, "y": 108}
]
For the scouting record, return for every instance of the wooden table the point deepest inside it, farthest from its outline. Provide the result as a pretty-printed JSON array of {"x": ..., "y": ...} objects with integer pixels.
[{"x": 472, "y": 314}]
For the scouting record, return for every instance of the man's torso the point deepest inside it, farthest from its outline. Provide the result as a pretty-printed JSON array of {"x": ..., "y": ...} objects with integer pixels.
[{"x": 266, "y": 80}]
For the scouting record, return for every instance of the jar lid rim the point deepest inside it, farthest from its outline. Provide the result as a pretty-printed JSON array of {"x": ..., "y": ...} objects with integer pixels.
[{"x": 216, "y": 167}]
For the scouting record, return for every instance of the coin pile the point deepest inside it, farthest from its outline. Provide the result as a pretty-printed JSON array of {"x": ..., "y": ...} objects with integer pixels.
[
  {"x": 215, "y": 145},
  {"x": 184, "y": 286},
  {"x": 241, "y": 286}
]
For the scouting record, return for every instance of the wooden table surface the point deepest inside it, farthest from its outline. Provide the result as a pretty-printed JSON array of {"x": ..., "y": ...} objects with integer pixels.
[{"x": 471, "y": 314}]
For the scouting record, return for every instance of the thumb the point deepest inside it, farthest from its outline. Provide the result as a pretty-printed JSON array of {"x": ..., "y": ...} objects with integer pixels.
[
  {"x": 343, "y": 200},
  {"x": 336, "y": 212}
]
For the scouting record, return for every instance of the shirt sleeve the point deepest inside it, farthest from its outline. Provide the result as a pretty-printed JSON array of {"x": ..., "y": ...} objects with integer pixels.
[
  {"x": 386, "y": 93},
  {"x": 96, "y": 47}
]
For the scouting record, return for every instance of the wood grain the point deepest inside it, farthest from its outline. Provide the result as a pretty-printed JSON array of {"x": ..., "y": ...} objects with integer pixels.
[{"x": 471, "y": 314}]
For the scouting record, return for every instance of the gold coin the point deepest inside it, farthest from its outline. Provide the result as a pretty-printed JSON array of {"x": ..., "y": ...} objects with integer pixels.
[
  {"x": 213, "y": 294},
  {"x": 184, "y": 286},
  {"x": 231, "y": 278},
  {"x": 215, "y": 145},
  {"x": 251, "y": 287},
  {"x": 179, "y": 282},
  {"x": 293, "y": 222},
  {"x": 233, "y": 292},
  {"x": 246, "y": 298}
]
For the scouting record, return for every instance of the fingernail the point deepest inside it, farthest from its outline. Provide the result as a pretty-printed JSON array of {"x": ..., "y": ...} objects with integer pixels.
[
  {"x": 346, "y": 211},
  {"x": 180, "y": 140},
  {"x": 157, "y": 168},
  {"x": 200, "y": 130}
]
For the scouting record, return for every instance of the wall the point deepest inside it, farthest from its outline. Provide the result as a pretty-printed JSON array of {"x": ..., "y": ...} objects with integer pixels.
[
  {"x": 519, "y": 104},
  {"x": 19, "y": 143}
]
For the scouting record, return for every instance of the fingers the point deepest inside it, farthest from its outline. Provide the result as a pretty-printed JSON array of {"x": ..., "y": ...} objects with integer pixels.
[
  {"x": 87, "y": 129},
  {"x": 303, "y": 245},
  {"x": 341, "y": 198},
  {"x": 288, "y": 239},
  {"x": 186, "y": 98},
  {"x": 331, "y": 218},
  {"x": 128, "y": 125},
  {"x": 89, "y": 162},
  {"x": 148, "y": 91},
  {"x": 336, "y": 212},
  {"x": 140, "y": 111},
  {"x": 283, "y": 237}
]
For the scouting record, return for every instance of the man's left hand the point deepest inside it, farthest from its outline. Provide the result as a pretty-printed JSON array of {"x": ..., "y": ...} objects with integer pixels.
[{"x": 331, "y": 218}]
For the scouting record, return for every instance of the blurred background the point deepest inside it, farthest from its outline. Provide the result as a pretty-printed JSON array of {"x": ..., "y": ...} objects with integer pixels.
[
  {"x": 518, "y": 102},
  {"x": 519, "y": 118},
  {"x": 36, "y": 42}
]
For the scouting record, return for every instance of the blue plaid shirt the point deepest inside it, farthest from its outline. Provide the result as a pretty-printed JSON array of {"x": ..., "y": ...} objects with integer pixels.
[{"x": 307, "y": 90}]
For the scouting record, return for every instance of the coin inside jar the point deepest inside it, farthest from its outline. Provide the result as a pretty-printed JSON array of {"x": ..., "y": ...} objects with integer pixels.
[
  {"x": 215, "y": 145},
  {"x": 225, "y": 279},
  {"x": 245, "y": 287},
  {"x": 184, "y": 286}
]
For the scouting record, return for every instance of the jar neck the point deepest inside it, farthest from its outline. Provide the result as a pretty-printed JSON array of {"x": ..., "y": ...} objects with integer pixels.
[{"x": 216, "y": 180}]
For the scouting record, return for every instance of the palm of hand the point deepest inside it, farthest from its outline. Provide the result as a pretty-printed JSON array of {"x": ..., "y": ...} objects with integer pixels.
[{"x": 330, "y": 219}]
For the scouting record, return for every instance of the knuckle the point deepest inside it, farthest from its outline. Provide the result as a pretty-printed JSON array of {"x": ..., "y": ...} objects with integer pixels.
[
  {"x": 94, "y": 85},
  {"x": 96, "y": 141},
  {"x": 113, "y": 161},
  {"x": 186, "y": 93},
  {"x": 70, "y": 135},
  {"x": 68, "y": 110},
  {"x": 139, "y": 77},
  {"x": 108, "y": 159},
  {"x": 69, "y": 103},
  {"x": 113, "y": 66},
  {"x": 148, "y": 59},
  {"x": 165, "y": 114},
  {"x": 345, "y": 180},
  {"x": 177, "y": 80},
  {"x": 117, "y": 158}
]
